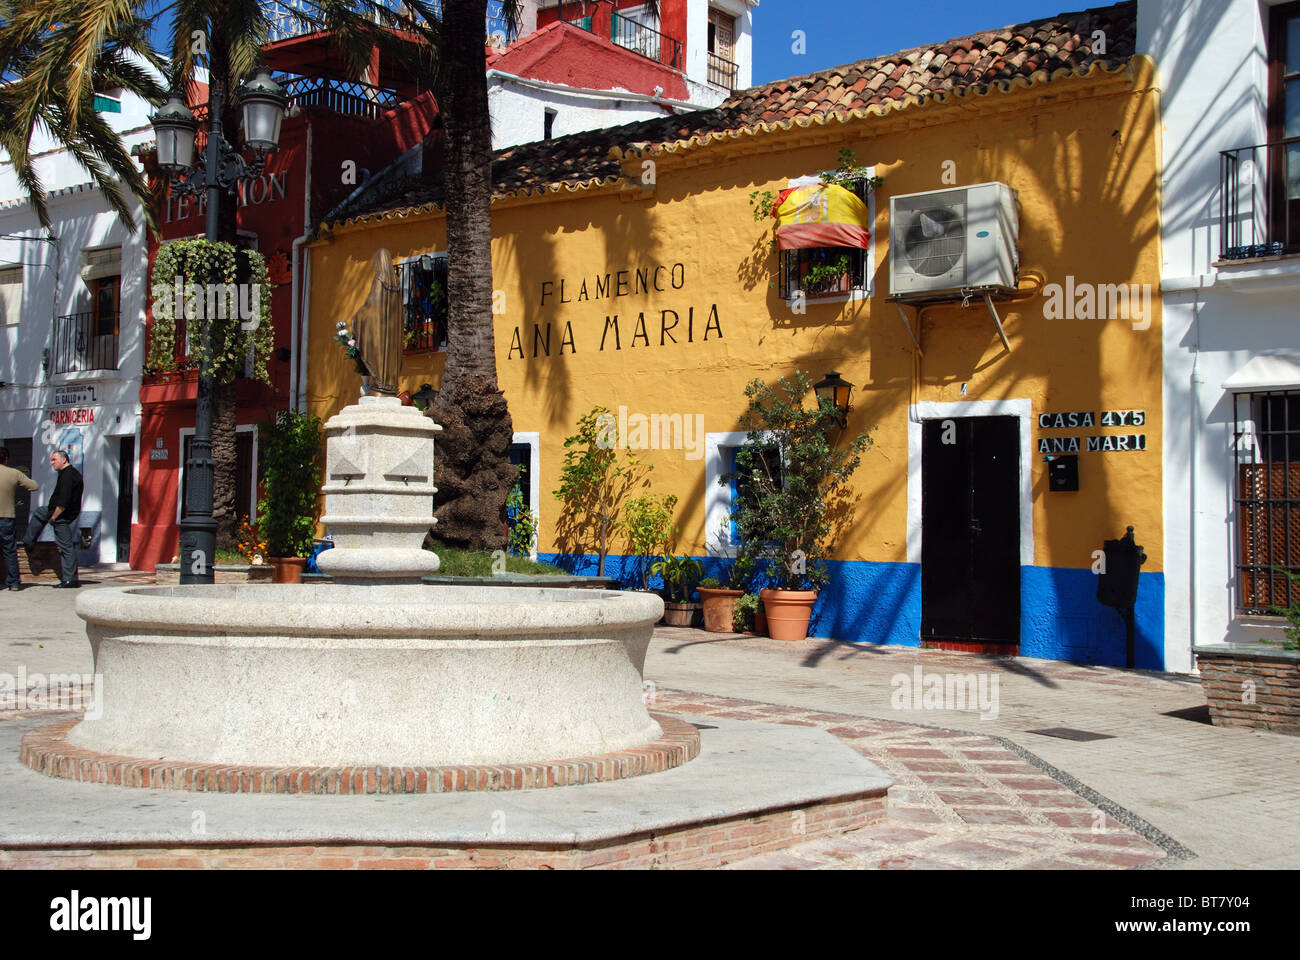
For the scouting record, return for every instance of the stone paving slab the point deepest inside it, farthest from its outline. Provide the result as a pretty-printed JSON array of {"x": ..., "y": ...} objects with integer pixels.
[{"x": 743, "y": 768}]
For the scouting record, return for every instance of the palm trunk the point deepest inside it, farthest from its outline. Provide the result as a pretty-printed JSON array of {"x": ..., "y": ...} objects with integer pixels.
[{"x": 474, "y": 475}]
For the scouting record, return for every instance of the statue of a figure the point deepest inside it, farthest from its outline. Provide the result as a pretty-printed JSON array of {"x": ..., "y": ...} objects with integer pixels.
[{"x": 378, "y": 325}]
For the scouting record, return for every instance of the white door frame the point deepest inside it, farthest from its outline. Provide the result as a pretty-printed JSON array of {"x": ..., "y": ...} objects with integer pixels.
[{"x": 1023, "y": 410}]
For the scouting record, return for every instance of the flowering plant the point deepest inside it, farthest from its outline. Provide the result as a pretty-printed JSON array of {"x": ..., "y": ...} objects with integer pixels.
[
  {"x": 250, "y": 547},
  {"x": 348, "y": 341}
]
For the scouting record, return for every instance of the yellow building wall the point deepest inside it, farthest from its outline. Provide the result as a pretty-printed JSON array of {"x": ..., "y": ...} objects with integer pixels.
[{"x": 1082, "y": 154}]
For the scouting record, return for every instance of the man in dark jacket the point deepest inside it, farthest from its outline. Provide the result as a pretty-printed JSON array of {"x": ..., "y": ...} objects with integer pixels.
[{"x": 62, "y": 511}]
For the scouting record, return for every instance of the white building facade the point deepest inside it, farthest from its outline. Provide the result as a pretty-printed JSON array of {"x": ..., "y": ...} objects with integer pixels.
[
  {"x": 72, "y": 305},
  {"x": 1229, "y": 72}
]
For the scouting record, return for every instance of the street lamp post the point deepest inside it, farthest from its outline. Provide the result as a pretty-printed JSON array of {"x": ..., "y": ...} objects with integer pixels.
[{"x": 221, "y": 168}]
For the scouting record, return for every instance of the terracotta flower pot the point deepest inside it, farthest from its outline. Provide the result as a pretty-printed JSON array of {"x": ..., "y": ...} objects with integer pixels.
[
  {"x": 287, "y": 569},
  {"x": 719, "y": 605},
  {"x": 788, "y": 612},
  {"x": 680, "y": 614},
  {"x": 760, "y": 622}
]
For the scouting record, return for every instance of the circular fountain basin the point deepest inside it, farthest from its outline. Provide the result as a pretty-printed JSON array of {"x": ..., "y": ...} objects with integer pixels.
[{"x": 330, "y": 675}]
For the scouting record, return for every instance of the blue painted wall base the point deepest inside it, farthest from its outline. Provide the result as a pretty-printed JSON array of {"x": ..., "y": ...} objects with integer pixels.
[{"x": 866, "y": 602}]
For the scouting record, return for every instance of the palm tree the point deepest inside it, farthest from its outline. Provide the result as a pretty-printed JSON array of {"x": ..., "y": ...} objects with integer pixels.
[{"x": 39, "y": 89}]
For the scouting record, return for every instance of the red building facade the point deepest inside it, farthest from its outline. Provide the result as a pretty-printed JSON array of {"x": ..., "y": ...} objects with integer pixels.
[{"x": 336, "y": 133}]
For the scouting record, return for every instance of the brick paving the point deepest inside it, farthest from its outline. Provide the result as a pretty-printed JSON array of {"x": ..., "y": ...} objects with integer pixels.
[
  {"x": 959, "y": 802},
  {"x": 1230, "y": 795}
]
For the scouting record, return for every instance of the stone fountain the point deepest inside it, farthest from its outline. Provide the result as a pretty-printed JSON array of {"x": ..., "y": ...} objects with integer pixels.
[{"x": 374, "y": 669}]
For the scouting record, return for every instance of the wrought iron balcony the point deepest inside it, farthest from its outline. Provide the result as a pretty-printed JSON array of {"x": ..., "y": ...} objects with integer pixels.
[
  {"x": 296, "y": 18},
  {"x": 84, "y": 341},
  {"x": 348, "y": 97},
  {"x": 626, "y": 32},
  {"x": 722, "y": 72},
  {"x": 1259, "y": 200}
]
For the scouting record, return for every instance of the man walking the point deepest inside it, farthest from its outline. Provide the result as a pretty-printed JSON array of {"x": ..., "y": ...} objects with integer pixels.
[
  {"x": 10, "y": 481},
  {"x": 62, "y": 511}
]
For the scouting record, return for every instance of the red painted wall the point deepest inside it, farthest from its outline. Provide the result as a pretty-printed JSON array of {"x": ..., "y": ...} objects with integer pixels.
[
  {"x": 572, "y": 56},
  {"x": 275, "y": 213},
  {"x": 672, "y": 20}
]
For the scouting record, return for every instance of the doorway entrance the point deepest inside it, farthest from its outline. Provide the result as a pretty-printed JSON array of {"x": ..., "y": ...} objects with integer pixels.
[
  {"x": 125, "y": 496},
  {"x": 970, "y": 534}
]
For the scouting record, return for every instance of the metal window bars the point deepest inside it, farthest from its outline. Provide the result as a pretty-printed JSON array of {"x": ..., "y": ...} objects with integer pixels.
[
  {"x": 722, "y": 72},
  {"x": 84, "y": 341},
  {"x": 1266, "y": 446},
  {"x": 423, "y": 282},
  {"x": 1259, "y": 200}
]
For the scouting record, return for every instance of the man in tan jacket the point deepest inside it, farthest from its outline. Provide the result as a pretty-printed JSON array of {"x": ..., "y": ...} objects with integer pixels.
[{"x": 10, "y": 480}]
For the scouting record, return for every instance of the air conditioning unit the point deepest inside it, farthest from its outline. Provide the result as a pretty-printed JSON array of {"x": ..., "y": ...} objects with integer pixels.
[{"x": 953, "y": 240}]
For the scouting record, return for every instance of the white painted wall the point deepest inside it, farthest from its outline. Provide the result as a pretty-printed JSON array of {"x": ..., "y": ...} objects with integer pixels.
[
  {"x": 1211, "y": 56},
  {"x": 518, "y": 111},
  {"x": 697, "y": 39},
  {"x": 80, "y": 218},
  {"x": 53, "y": 286}
]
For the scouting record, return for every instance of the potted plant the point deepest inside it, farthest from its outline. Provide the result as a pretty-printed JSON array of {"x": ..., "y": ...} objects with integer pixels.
[
  {"x": 680, "y": 574},
  {"x": 792, "y": 496},
  {"x": 286, "y": 514},
  {"x": 718, "y": 596},
  {"x": 749, "y": 616},
  {"x": 719, "y": 605}
]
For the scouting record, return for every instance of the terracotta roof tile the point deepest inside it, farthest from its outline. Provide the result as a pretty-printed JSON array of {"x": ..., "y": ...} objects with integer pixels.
[{"x": 1063, "y": 41}]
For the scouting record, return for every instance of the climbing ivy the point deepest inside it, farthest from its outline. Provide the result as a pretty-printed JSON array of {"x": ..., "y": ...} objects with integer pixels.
[{"x": 201, "y": 262}]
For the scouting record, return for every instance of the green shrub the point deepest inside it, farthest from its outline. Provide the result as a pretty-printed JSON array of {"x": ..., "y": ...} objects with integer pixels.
[{"x": 292, "y": 466}]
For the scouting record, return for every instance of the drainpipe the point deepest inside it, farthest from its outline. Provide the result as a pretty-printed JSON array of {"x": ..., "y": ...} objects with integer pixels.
[
  {"x": 298, "y": 361},
  {"x": 306, "y": 330},
  {"x": 1197, "y": 379}
]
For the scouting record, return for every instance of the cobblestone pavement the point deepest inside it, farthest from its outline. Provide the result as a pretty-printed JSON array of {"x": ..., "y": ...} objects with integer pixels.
[
  {"x": 958, "y": 802},
  {"x": 1230, "y": 795}
]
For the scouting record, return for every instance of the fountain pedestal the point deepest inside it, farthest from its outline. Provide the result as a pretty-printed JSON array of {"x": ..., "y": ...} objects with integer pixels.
[{"x": 378, "y": 492}]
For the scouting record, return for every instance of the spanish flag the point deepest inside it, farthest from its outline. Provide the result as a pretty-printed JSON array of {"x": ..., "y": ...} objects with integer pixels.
[{"x": 820, "y": 215}]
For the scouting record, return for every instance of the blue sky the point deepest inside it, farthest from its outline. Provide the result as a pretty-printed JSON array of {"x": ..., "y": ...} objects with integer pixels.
[{"x": 841, "y": 31}]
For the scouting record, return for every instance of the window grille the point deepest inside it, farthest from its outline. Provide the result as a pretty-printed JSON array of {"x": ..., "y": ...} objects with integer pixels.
[
  {"x": 1266, "y": 443},
  {"x": 424, "y": 303}
]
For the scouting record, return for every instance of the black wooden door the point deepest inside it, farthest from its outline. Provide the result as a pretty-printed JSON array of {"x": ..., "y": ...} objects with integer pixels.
[
  {"x": 970, "y": 530},
  {"x": 125, "y": 496}
]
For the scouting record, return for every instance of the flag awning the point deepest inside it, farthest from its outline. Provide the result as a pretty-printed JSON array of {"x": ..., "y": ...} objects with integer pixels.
[{"x": 820, "y": 215}]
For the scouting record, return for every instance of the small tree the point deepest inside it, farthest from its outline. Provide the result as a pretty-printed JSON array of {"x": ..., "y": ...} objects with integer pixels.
[
  {"x": 286, "y": 513},
  {"x": 593, "y": 484},
  {"x": 789, "y": 505},
  {"x": 647, "y": 525}
]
